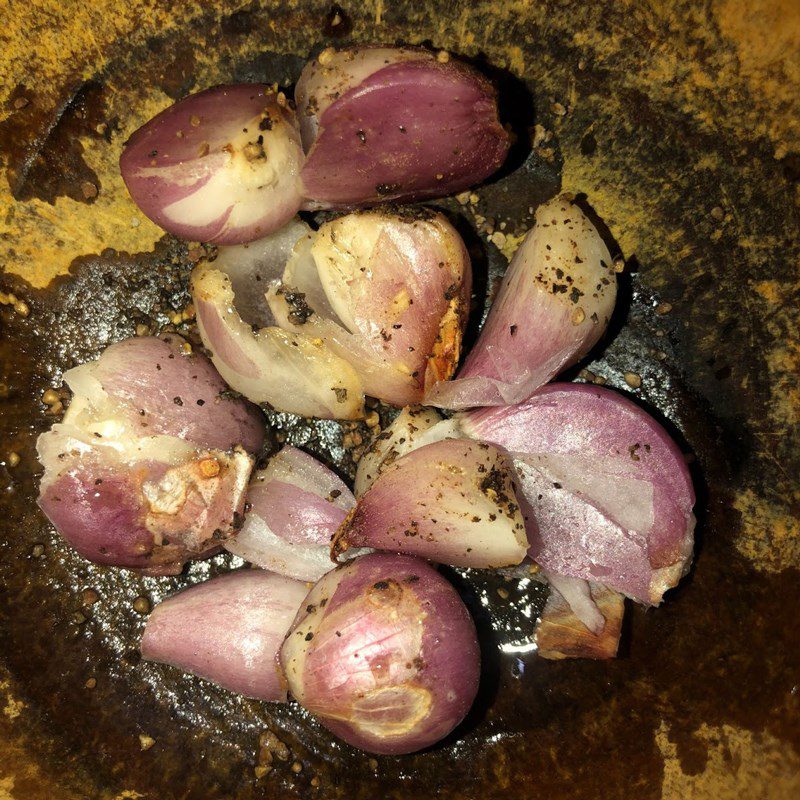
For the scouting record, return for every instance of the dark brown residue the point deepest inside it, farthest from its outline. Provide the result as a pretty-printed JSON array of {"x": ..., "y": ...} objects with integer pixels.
[{"x": 43, "y": 151}]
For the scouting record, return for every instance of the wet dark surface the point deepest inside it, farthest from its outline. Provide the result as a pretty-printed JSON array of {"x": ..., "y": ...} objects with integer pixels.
[{"x": 722, "y": 651}]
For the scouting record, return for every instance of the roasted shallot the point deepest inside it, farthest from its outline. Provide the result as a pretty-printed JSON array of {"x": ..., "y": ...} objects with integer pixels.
[
  {"x": 609, "y": 492},
  {"x": 219, "y": 166},
  {"x": 451, "y": 501},
  {"x": 228, "y": 630},
  {"x": 384, "y": 653},
  {"x": 296, "y": 506},
  {"x": 387, "y": 291},
  {"x": 554, "y": 304},
  {"x": 149, "y": 466},
  {"x": 382, "y": 123}
]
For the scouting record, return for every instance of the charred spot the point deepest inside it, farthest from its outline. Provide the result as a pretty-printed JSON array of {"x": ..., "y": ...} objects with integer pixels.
[
  {"x": 452, "y": 291},
  {"x": 341, "y": 394},
  {"x": 575, "y": 294},
  {"x": 513, "y": 330},
  {"x": 254, "y": 151},
  {"x": 299, "y": 309},
  {"x": 309, "y": 636},
  {"x": 386, "y": 188},
  {"x": 385, "y": 593},
  {"x": 493, "y": 482}
]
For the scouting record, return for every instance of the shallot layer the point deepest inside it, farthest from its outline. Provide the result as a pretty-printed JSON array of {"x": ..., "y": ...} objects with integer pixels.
[
  {"x": 561, "y": 633},
  {"x": 290, "y": 370},
  {"x": 296, "y": 506}
]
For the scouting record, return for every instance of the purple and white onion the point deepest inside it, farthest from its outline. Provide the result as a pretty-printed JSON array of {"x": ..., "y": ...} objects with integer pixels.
[
  {"x": 150, "y": 464},
  {"x": 228, "y": 630},
  {"x": 387, "y": 291},
  {"x": 291, "y": 371},
  {"x": 562, "y": 632},
  {"x": 554, "y": 304},
  {"x": 296, "y": 505},
  {"x": 451, "y": 501},
  {"x": 384, "y": 653},
  {"x": 381, "y": 124},
  {"x": 219, "y": 166},
  {"x": 609, "y": 492}
]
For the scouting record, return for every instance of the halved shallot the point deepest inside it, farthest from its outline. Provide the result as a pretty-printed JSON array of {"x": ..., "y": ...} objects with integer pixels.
[
  {"x": 292, "y": 371},
  {"x": 384, "y": 653},
  {"x": 296, "y": 506},
  {"x": 554, "y": 304},
  {"x": 149, "y": 467},
  {"x": 387, "y": 291},
  {"x": 609, "y": 492},
  {"x": 228, "y": 630},
  {"x": 451, "y": 501},
  {"x": 219, "y": 166},
  {"x": 382, "y": 123}
]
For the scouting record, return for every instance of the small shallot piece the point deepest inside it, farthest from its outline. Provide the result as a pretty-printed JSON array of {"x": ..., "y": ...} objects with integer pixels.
[
  {"x": 382, "y": 124},
  {"x": 451, "y": 501},
  {"x": 149, "y": 466},
  {"x": 560, "y": 633},
  {"x": 384, "y": 653},
  {"x": 296, "y": 506},
  {"x": 411, "y": 428},
  {"x": 219, "y": 166},
  {"x": 610, "y": 497},
  {"x": 290, "y": 370},
  {"x": 228, "y": 630},
  {"x": 387, "y": 291},
  {"x": 554, "y": 304}
]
